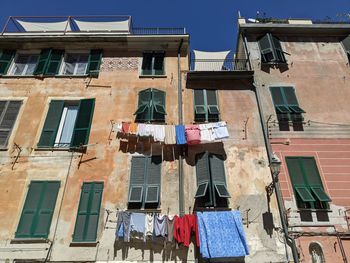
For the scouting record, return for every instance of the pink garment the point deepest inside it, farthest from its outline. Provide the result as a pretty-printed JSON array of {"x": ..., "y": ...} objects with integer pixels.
[{"x": 193, "y": 134}]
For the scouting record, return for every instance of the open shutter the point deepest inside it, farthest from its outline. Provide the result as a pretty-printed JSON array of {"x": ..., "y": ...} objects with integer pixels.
[
  {"x": 46, "y": 209},
  {"x": 88, "y": 212},
  {"x": 158, "y": 103},
  {"x": 200, "y": 109},
  {"x": 51, "y": 124},
  {"x": 54, "y": 62},
  {"x": 6, "y": 57},
  {"x": 42, "y": 62},
  {"x": 147, "y": 63},
  {"x": 8, "y": 115},
  {"x": 137, "y": 179},
  {"x": 143, "y": 112},
  {"x": 266, "y": 49},
  {"x": 153, "y": 179},
  {"x": 203, "y": 176},
  {"x": 94, "y": 62},
  {"x": 158, "y": 65},
  {"x": 83, "y": 123},
  {"x": 346, "y": 45},
  {"x": 217, "y": 170},
  {"x": 278, "y": 50}
]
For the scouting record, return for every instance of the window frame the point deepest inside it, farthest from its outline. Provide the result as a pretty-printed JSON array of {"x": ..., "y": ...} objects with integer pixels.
[
  {"x": 153, "y": 70},
  {"x": 206, "y": 107},
  {"x": 20, "y": 53},
  {"x": 277, "y": 51},
  {"x": 74, "y": 52}
]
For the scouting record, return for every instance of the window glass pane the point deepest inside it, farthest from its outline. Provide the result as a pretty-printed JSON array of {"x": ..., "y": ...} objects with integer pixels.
[
  {"x": 75, "y": 64},
  {"x": 25, "y": 64},
  {"x": 66, "y": 127}
]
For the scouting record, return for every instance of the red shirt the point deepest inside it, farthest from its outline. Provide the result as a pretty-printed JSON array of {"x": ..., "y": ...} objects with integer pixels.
[{"x": 183, "y": 228}]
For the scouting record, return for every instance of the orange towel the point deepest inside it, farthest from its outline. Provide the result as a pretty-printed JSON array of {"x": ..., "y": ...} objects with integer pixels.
[{"x": 133, "y": 128}]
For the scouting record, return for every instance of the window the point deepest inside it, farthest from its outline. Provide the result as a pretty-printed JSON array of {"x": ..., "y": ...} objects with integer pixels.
[
  {"x": 88, "y": 212},
  {"x": 346, "y": 46},
  {"x": 24, "y": 64},
  {"x": 75, "y": 64},
  {"x": 307, "y": 184},
  {"x": 144, "y": 189},
  {"x": 206, "y": 107},
  {"x": 211, "y": 181},
  {"x": 67, "y": 124},
  {"x": 38, "y": 209},
  {"x": 8, "y": 115},
  {"x": 316, "y": 253},
  {"x": 6, "y": 57},
  {"x": 271, "y": 50},
  {"x": 286, "y": 104},
  {"x": 153, "y": 64},
  {"x": 151, "y": 106},
  {"x": 49, "y": 62}
]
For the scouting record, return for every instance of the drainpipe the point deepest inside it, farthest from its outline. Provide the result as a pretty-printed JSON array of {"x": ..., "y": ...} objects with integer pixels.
[
  {"x": 290, "y": 240},
  {"x": 180, "y": 121}
]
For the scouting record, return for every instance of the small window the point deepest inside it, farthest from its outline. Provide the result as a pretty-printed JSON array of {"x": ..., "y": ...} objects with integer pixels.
[
  {"x": 38, "y": 209},
  {"x": 8, "y": 115},
  {"x": 271, "y": 49},
  {"x": 211, "y": 181},
  {"x": 67, "y": 124},
  {"x": 144, "y": 189},
  {"x": 206, "y": 107},
  {"x": 316, "y": 253},
  {"x": 307, "y": 184},
  {"x": 24, "y": 64},
  {"x": 153, "y": 64},
  {"x": 75, "y": 64},
  {"x": 151, "y": 106}
]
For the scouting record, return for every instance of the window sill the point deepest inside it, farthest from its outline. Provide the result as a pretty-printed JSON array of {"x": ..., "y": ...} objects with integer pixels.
[
  {"x": 44, "y": 76},
  {"x": 52, "y": 149},
  {"x": 4, "y": 149},
  {"x": 153, "y": 76},
  {"x": 300, "y": 210},
  {"x": 83, "y": 244},
  {"x": 29, "y": 240}
]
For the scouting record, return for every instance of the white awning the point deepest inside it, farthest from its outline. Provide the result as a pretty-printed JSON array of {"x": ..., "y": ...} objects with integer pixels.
[
  {"x": 47, "y": 26},
  {"x": 210, "y": 61},
  {"x": 116, "y": 26}
]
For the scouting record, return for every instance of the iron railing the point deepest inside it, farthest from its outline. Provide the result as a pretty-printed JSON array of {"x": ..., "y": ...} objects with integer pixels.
[
  {"x": 219, "y": 65},
  {"x": 159, "y": 31}
]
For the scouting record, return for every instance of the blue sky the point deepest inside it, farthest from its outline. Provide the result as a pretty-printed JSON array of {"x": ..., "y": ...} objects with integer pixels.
[{"x": 211, "y": 23}]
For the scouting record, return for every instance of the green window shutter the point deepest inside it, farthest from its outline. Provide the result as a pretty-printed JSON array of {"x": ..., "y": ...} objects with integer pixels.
[
  {"x": 346, "y": 45},
  {"x": 147, "y": 63},
  {"x": 295, "y": 171},
  {"x": 42, "y": 62},
  {"x": 153, "y": 179},
  {"x": 137, "y": 179},
  {"x": 217, "y": 170},
  {"x": 277, "y": 96},
  {"x": 94, "y": 62},
  {"x": 200, "y": 107},
  {"x": 8, "y": 115},
  {"x": 88, "y": 212},
  {"x": 289, "y": 93},
  {"x": 143, "y": 112},
  {"x": 212, "y": 104},
  {"x": 304, "y": 194},
  {"x": 266, "y": 49},
  {"x": 158, "y": 105},
  {"x": 83, "y": 123},
  {"x": 6, "y": 57},
  {"x": 54, "y": 62},
  {"x": 278, "y": 50},
  {"x": 52, "y": 121},
  {"x": 38, "y": 209},
  {"x": 203, "y": 175},
  {"x": 158, "y": 65}
]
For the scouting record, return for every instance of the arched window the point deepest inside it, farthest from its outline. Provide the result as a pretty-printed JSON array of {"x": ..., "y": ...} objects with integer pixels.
[{"x": 316, "y": 253}]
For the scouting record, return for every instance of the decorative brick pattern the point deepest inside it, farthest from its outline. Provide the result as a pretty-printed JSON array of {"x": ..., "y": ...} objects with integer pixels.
[{"x": 119, "y": 63}]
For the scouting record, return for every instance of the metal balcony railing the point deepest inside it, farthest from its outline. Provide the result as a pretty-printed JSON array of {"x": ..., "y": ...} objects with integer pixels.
[
  {"x": 219, "y": 65},
  {"x": 159, "y": 31}
]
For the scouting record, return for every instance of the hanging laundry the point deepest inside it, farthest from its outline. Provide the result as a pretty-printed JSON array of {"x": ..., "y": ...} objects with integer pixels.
[
  {"x": 170, "y": 228},
  {"x": 170, "y": 134},
  {"x": 133, "y": 128},
  {"x": 221, "y": 234},
  {"x": 125, "y": 127},
  {"x": 193, "y": 134},
  {"x": 184, "y": 227},
  {"x": 158, "y": 133},
  {"x": 220, "y": 130},
  {"x": 117, "y": 127},
  {"x": 141, "y": 129},
  {"x": 148, "y": 130},
  {"x": 207, "y": 132},
  {"x": 123, "y": 220},
  {"x": 137, "y": 225},
  {"x": 160, "y": 226},
  {"x": 180, "y": 134},
  {"x": 149, "y": 225}
]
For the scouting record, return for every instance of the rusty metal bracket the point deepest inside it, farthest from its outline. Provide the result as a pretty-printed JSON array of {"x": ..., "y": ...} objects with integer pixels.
[
  {"x": 245, "y": 129},
  {"x": 19, "y": 150}
]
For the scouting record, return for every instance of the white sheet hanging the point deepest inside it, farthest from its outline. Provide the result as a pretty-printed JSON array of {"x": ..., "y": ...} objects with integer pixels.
[
  {"x": 115, "y": 26},
  {"x": 47, "y": 26},
  {"x": 210, "y": 61}
]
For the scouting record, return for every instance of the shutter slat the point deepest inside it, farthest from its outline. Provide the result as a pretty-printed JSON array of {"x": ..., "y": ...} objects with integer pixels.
[
  {"x": 8, "y": 120},
  {"x": 51, "y": 124},
  {"x": 217, "y": 170},
  {"x": 202, "y": 168},
  {"x": 291, "y": 98},
  {"x": 83, "y": 123},
  {"x": 42, "y": 62},
  {"x": 153, "y": 179},
  {"x": 311, "y": 171},
  {"x": 94, "y": 62},
  {"x": 137, "y": 179},
  {"x": 158, "y": 103},
  {"x": 143, "y": 112},
  {"x": 54, "y": 62},
  {"x": 295, "y": 172},
  {"x": 6, "y": 57},
  {"x": 277, "y": 96}
]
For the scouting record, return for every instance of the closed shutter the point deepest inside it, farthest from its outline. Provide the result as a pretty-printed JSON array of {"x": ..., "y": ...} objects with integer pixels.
[
  {"x": 147, "y": 63},
  {"x": 54, "y": 62},
  {"x": 38, "y": 210},
  {"x": 42, "y": 62},
  {"x": 203, "y": 174},
  {"x": 281, "y": 107},
  {"x": 6, "y": 57},
  {"x": 137, "y": 179},
  {"x": 83, "y": 123},
  {"x": 8, "y": 115},
  {"x": 158, "y": 103},
  {"x": 88, "y": 212},
  {"x": 158, "y": 65},
  {"x": 94, "y": 62},
  {"x": 217, "y": 170},
  {"x": 153, "y": 179},
  {"x": 51, "y": 124},
  {"x": 212, "y": 104},
  {"x": 143, "y": 112},
  {"x": 266, "y": 49},
  {"x": 291, "y": 100},
  {"x": 200, "y": 109}
]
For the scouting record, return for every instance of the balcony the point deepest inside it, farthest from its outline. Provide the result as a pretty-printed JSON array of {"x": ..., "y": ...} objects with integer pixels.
[{"x": 210, "y": 65}]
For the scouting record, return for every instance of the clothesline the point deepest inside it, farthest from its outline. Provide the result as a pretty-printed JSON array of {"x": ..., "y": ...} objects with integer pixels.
[{"x": 176, "y": 134}]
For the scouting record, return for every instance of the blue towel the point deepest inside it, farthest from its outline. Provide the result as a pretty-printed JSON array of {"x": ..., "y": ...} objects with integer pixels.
[
  {"x": 180, "y": 134},
  {"x": 221, "y": 234},
  {"x": 138, "y": 225}
]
